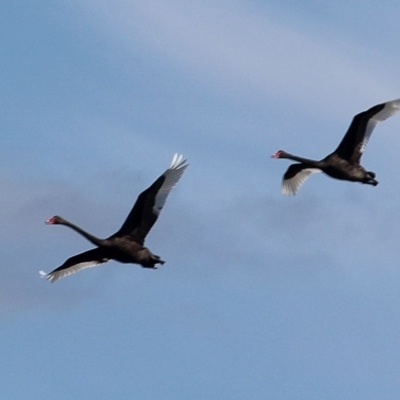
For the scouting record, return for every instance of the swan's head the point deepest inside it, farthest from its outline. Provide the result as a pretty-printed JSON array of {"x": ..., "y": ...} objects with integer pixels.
[
  {"x": 279, "y": 154},
  {"x": 54, "y": 220}
]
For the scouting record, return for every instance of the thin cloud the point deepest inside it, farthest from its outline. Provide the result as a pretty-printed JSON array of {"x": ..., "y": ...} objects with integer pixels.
[{"x": 241, "y": 50}]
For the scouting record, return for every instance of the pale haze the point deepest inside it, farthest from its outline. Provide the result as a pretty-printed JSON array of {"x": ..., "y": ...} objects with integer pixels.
[{"x": 262, "y": 296}]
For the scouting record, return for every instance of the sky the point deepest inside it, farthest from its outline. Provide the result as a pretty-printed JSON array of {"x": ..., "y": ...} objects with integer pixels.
[{"x": 262, "y": 295}]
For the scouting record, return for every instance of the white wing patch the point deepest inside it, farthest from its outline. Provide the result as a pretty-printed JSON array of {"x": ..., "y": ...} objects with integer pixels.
[
  {"x": 391, "y": 108},
  {"x": 292, "y": 185},
  {"x": 55, "y": 275},
  {"x": 172, "y": 176}
]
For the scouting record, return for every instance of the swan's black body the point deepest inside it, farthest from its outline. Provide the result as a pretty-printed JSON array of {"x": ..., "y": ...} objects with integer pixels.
[
  {"x": 344, "y": 162},
  {"x": 127, "y": 244}
]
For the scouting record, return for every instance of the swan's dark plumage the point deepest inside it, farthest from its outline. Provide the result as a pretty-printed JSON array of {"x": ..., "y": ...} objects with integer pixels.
[
  {"x": 150, "y": 202},
  {"x": 127, "y": 244},
  {"x": 344, "y": 162}
]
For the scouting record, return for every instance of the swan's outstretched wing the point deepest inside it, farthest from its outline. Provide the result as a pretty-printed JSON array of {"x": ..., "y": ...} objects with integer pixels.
[
  {"x": 353, "y": 144},
  {"x": 295, "y": 176},
  {"x": 150, "y": 202},
  {"x": 87, "y": 259}
]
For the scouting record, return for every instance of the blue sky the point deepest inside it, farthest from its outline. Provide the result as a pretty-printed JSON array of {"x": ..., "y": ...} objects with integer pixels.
[{"x": 262, "y": 296}]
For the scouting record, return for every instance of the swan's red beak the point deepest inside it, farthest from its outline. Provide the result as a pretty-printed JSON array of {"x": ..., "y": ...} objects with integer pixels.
[
  {"x": 275, "y": 155},
  {"x": 50, "y": 221}
]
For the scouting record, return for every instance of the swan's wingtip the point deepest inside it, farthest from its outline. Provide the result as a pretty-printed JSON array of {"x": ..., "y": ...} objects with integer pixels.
[
  {"x": 47, "y": 276},
  {"x": 287, "y": 190},
  {"x": 177, "y": 161},
  {"x": 174, "y": 158},
  {"x": 394, "y": 103}
]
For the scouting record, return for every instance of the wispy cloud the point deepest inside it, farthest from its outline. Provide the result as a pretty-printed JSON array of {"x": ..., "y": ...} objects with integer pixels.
[{"x": 245, "y": 51}]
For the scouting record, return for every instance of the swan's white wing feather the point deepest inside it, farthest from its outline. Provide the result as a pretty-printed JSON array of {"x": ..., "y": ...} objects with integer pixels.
[
  {"x": 292, "y": 185},
  {"x": 390, "y": 108},
  {"x": 172, "y": 176},
  {"x": 62, "y": 273}
]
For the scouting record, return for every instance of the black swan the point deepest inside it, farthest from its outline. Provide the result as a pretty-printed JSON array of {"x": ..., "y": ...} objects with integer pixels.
[
  {"x": 127, "y": 244},
  {"x": 344, "y": 162}
]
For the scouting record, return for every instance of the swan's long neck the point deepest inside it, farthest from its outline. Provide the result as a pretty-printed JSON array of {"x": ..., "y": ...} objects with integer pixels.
[
  {"x": 93, "y": 239},
  {"x": 307, "y": 161}
]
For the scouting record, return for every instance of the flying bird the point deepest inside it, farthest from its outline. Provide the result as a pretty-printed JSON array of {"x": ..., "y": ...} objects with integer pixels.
[
  {"x": 344, "y": 162},
  {"x": 127, "y": 244}
]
